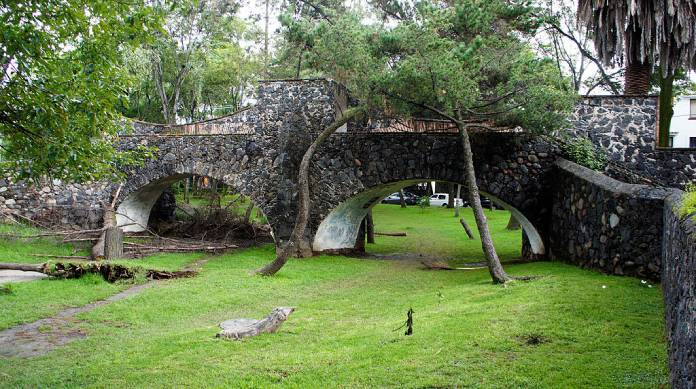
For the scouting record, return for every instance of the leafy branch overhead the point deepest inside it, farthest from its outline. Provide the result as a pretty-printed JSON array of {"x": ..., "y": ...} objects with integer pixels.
[{"x": 62, "y": 82}]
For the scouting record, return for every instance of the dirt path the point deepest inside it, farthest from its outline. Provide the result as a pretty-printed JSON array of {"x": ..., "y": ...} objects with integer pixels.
[
  {"x": 7, "y": 276},
  {"x": 41, "y": 336}
]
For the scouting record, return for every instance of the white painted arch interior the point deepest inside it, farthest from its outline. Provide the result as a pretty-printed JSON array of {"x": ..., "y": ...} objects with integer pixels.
[{"x": 339, "y": 229}]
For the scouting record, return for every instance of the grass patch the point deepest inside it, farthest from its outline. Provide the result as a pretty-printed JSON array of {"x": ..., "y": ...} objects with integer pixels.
[
  {"x": 569, "y": 328},
  {"x": 435, "y": 232},
  {"x": 34, "y": 300},
  {"x": 18, "y": 250},
  {"x": 466, "y": 330},
  {"x": 163, "y": 261},
  {"x": 28, "y": 301},
  {"x": 239, "y": 208}
]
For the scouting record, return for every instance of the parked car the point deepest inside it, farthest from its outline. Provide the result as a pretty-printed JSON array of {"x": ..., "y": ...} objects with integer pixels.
[
  {"x": 394, "y": 198},
  {"x": 442, "y": 199},
  {"x": 487, "y": 203}
]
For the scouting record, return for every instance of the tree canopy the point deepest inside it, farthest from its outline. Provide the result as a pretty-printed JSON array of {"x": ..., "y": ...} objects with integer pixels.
[
  {"x": 463, "y": 58},
  {"x": 62, "y": 81}
]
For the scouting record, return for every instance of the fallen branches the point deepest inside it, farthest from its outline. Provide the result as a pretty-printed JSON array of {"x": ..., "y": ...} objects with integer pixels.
[
  {"x": 80, "y": 257},
  {"x": 391, "y": 233},
  {"x": 166, "y": 275},
  {"x": 440, "y": 265},
  {"x": 174, "y": 246}
]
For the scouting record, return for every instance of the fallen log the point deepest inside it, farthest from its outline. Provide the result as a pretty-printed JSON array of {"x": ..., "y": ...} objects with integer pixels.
[
  {"x": 80, "y": 257},
  {"x": 439, "y": 265},
  {"x": 41, "y": 267},
  {"x": 391, "y": 233},
  {"x": 109, "y": 271},
  {"x": 238, "y": 329},
  {"x": 75, "y": 240}
]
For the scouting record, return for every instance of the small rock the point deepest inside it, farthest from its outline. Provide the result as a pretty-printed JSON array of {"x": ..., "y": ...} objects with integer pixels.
[{"x": 613, "y": 220}]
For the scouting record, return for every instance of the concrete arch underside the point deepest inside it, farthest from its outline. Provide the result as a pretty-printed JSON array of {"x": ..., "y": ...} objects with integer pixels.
[{"x": 339, "y": 229}]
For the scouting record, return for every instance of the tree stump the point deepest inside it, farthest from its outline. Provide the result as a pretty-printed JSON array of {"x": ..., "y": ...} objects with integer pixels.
[
  {"x": 238, "y": 329},
  {"x": 113, "y": 243}
]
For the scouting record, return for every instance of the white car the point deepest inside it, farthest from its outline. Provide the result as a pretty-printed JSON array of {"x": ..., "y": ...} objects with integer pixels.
[{"x": 441, "y": 200}]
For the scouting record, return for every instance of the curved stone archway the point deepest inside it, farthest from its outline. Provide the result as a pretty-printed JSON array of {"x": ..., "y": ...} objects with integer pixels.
[
  {"x": 137, "y": 200},
  {"x": 339, "y": 229}
]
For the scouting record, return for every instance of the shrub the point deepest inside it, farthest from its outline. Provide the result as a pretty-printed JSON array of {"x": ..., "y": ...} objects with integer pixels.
[
  {"x": 583, "y": 152},
  {"x": 688, "y": 204},
  {"x": 424, "y": 201}
]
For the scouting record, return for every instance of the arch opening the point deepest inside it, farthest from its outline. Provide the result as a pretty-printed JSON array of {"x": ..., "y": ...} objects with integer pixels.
[
  {"x": 339, "y": 229},
  {"x": 194, "y": 205}
]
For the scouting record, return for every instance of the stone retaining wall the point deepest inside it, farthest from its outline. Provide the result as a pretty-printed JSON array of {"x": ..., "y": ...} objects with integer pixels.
[
  {"x": 626, "y": 127},
  {"x": 601, "y": 223},
  {"x": 679, "y": 289},
  {"x": 54, "y": 203}
]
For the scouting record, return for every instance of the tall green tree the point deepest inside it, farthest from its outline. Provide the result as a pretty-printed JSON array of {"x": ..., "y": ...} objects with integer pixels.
[
  {"x": 463, "y": 61},
  {"x": 63, "y": 79},
  {"x": 181, "y": 72}
]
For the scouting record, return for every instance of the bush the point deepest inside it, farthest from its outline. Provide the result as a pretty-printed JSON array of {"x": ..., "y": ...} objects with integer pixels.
[
  {"x": 688, "y": 204},
  {"x": 424, "y": 201},
  {"x": 583, "y": 152}
]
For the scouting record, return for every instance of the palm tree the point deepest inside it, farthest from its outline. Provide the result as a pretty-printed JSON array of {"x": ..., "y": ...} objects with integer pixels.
[{"x": 642, "y": 34}]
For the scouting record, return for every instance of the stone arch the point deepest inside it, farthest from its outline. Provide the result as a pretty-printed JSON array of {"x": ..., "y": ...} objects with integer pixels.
[
  {"x": 339, "y": 229},
  {"x": 142, "y": 191}
]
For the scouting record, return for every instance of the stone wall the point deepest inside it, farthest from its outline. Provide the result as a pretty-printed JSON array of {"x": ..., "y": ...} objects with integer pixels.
[
  {"x": 54, "y": 203},
  {"x": 679, "y": 289},
  {"x": 626, "y": 127},
  {"x": 354, "y": 171},
  {"x": 601, "y": 223}
]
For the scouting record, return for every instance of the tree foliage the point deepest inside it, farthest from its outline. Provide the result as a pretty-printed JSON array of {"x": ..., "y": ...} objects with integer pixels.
[
  {"x": 63, "y": 79},
  {"x": 466, "y": 57},
  {"x": 194, "y": 65}
]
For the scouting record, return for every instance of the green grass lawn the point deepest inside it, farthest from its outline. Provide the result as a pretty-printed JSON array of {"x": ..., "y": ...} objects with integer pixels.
[
  {"x": 46, "y": 297},
  {"x": 595, "y": 330},
  {"x": 435, "y": 232}
]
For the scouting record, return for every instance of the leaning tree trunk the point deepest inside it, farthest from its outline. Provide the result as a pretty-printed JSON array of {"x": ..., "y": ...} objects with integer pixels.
[
  {"x": 401, "y": 198},
  {"x": 297, "y": 235},
  {"x": 494, "y": 267},
  {"x": 370, "y": 227}
]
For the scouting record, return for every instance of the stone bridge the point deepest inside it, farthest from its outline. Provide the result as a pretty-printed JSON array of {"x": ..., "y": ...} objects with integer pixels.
[
  {"x": 257, "y": 152},
  {"x": 568, "y": 212}
]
